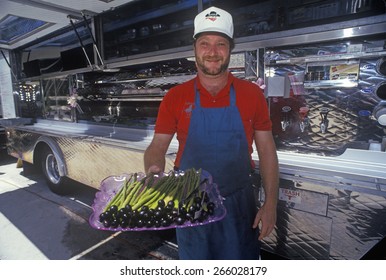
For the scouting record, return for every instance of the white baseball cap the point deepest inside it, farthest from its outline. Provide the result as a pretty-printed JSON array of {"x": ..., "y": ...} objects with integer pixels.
[{"x": 214, "y": 19}]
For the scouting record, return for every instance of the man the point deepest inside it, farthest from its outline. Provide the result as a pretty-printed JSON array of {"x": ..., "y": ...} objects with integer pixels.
[{"x": 216, "y": 117}]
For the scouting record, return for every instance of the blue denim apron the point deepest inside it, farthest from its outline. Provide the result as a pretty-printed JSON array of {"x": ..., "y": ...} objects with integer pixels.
[{"x": 217, "y": 143}]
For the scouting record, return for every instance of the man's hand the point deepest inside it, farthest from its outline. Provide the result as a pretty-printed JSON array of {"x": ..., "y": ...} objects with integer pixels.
[
  {"x": 154, "y": 157},
  {"x": 154, "y": 169},
  {"x": 266, "y": 216}
]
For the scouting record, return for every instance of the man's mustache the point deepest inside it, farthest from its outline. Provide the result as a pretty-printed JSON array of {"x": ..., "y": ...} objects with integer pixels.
[{"x": 212, "y": 58}]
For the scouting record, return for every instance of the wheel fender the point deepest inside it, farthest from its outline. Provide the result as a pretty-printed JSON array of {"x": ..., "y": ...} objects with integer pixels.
[{"x": 57, "y": 152}]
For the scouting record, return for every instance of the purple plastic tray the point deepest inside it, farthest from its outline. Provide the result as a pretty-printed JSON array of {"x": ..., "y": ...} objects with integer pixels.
[{"x": 112, "y": 184}]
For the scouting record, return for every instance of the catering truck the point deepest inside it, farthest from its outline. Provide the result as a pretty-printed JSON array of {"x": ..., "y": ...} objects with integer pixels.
[{"x": 86, "y": 98}]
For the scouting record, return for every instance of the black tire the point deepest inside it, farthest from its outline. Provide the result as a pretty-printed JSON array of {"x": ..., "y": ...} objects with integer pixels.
[{"x": 49, "y": 164}]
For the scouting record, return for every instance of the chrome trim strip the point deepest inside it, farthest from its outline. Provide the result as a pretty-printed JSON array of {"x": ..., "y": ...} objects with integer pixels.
[{"x": 322, "y": 33}]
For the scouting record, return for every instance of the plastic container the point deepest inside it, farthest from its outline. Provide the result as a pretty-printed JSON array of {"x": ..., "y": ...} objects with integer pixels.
[
  {"x": 380, "y": 113},
  {"x": 297, "y": 83},
  {"x": 111, "y": 185},
  {"x": 381, "y": 66},
  {"x": 380, "y": 90}
]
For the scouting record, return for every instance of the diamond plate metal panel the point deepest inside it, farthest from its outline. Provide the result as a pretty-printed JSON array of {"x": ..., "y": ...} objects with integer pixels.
[
  {"x": 350, "y": 120},
  {"x": 90, "y": 162},
  {"x": 353, "y": 223},
  {"x": 300, "y": 235}
]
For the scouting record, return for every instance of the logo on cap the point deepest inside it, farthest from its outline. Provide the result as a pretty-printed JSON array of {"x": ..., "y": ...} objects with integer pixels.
[
  {"x": 212, "y": 16},
  {"x": 213, "y": 20}
]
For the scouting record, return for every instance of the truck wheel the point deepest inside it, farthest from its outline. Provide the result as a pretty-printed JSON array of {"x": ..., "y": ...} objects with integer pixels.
[{"x": 49, "y": 164}]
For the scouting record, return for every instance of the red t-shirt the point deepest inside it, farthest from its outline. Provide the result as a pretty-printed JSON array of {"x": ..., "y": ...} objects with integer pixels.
[{"x": 176, "y": 107}]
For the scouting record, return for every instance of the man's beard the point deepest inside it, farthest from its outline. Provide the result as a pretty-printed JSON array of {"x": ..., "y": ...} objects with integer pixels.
[{"x": 212, "y": 71}]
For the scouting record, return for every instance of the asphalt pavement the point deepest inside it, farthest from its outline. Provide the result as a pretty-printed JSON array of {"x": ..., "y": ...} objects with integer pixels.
[{"x": 36, "y": 224}]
